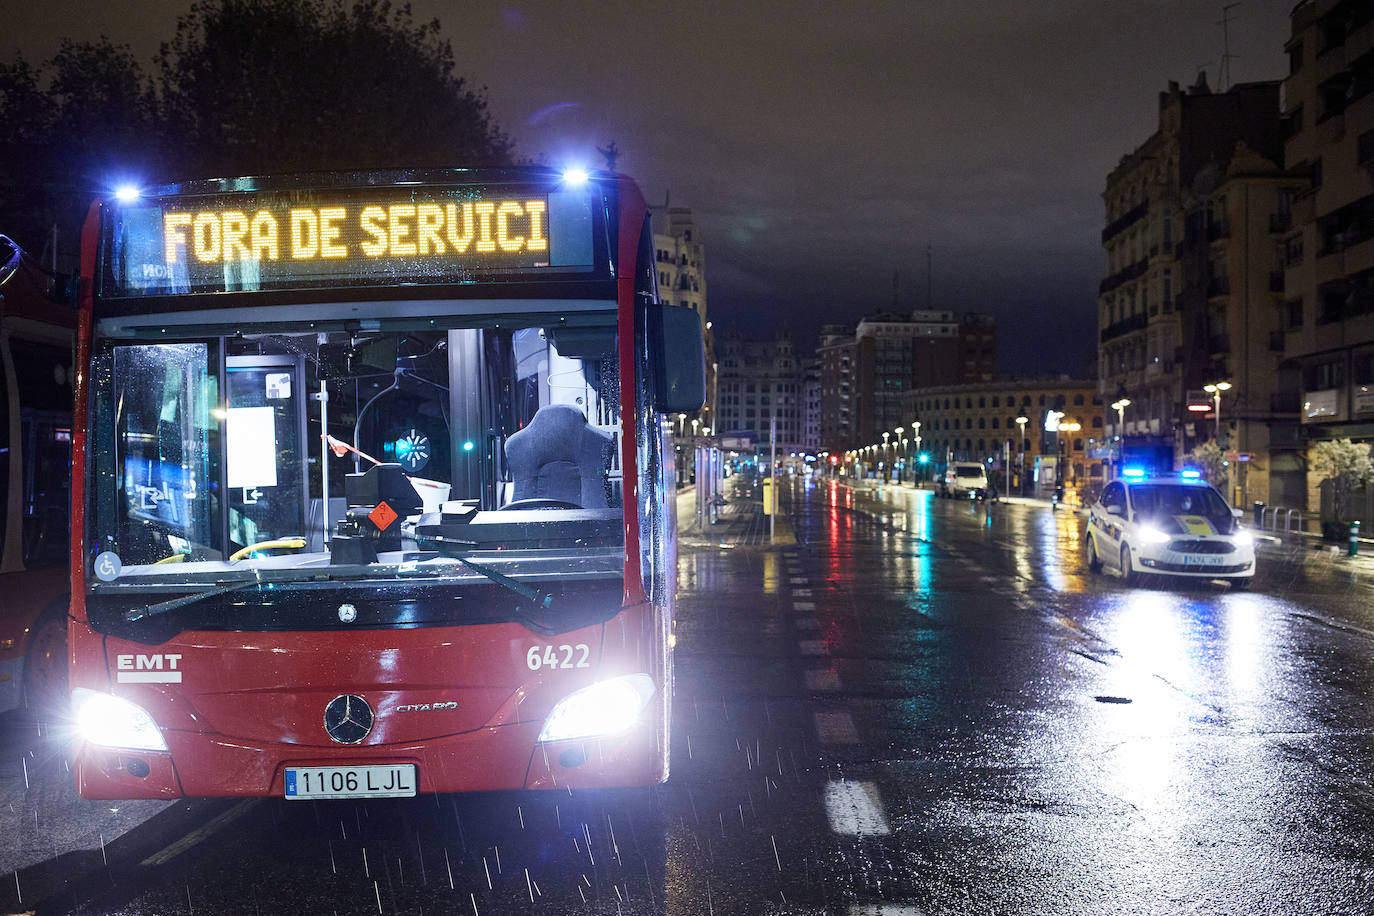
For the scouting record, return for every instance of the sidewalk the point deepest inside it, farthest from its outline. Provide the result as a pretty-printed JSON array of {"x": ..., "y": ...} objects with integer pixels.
[
  {"x": 740, "y": 523},
  {"x": 1297, "y": 544}
]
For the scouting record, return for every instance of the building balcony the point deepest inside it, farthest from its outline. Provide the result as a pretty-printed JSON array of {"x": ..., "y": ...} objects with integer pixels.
[
  {"x": 1125, "y": 275},
  {"x": 1219, "y": 229},
  {"x": 1275, "y": 281},
  {"x": 1136, "y": 322},
  {"x": 1280, "y": 222},
  {"x": 1124, "y": 221},
  {"x": 1219, "y": 344},
  {"x": 1218, "y": 286}
]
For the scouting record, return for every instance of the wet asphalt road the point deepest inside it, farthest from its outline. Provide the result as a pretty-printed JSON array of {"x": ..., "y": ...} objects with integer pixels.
[{"x": 925, "y": 706}]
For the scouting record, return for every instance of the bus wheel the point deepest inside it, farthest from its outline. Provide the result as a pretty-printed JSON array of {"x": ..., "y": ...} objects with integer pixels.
[{"x": 45, "y": 668}]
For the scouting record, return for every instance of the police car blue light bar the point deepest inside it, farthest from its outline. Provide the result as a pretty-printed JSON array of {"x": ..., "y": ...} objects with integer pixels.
[
  {"x": 1133, "y": 472},
  {"x": 1189, "y": 474}
]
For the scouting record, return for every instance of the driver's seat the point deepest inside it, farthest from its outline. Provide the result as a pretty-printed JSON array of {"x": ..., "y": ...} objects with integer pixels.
[{"x": 560, "y": 456}]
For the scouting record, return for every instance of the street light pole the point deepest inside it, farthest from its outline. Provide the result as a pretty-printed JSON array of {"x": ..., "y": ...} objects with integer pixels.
[
  {"x": 1021, "y": 450},
  {"x": 1120, "y": 405},
  {"x": 1215, "y": 391}
]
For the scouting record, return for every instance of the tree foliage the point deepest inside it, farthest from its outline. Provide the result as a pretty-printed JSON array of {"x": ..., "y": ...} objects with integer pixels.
[
  {"x": 243, "y": 87},
  {"x": 260, "y": 86},
  {"x": 1346, "y": 465},
  {"x": 1208, "y": 459}
]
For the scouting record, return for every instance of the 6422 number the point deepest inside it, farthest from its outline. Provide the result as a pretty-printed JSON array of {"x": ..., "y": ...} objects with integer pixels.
[{"x": 558, "y": 657}]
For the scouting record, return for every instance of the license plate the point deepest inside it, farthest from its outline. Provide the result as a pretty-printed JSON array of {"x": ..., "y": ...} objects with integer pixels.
[
  {"x": 373, "y": 781},
  {"x": 1204, "y": 561}
]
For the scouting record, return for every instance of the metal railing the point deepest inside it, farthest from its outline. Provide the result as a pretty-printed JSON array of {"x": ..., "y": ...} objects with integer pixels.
[{"x": 1292, "y": 519}]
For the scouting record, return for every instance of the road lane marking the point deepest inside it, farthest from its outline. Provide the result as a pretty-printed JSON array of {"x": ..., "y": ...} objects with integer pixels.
[
  {"x": 808, "y": 623},
  {"x": 203, "y": 832},
  {"x": 822, "y": 679},
  {"x": 798, "y": 580},
  {"x": 801, "y": 593},
  {"x": 854, "y": 809},
  {"x": 804, "y": 605},
  {"x": 836, "y": 728},
  {"x": 884, "y": 909},
  {"x": 813, "y": 647}
]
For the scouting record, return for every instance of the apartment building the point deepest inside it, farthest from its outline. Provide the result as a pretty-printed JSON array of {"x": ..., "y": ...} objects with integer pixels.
[
  {"x": 680, "y": 261},
  {"x": 868, "y": 372},
  {"x": 978, "y": 422},
  {"x": 1328, "y": 277},
  {"x": 1193, "y": 292},
  {"x": 760, "y": 380}
]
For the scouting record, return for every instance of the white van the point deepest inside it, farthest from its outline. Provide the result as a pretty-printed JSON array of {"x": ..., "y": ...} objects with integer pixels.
[{"x": 964, "y": 479}]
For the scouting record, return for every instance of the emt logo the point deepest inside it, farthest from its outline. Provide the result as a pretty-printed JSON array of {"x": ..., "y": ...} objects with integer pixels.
[{"x": 147, "y": 669}]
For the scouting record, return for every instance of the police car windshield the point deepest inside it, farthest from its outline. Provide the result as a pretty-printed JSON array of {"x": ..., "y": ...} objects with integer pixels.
[{"x": 1162, "y": 500}]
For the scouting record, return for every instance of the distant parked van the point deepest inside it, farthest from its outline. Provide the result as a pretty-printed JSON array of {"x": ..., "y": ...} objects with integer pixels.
[{"x": 963, "y": 479}]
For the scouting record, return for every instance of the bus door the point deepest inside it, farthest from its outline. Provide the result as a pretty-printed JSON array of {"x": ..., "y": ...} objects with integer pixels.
[{"x": 265, "y": 437}]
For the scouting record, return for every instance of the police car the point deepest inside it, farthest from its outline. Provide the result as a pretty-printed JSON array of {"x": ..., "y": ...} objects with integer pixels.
[{"x": 1168, "y": 524}]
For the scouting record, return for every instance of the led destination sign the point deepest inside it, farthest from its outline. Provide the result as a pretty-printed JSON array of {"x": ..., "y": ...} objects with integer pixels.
[{"x": 246, "y": 242}]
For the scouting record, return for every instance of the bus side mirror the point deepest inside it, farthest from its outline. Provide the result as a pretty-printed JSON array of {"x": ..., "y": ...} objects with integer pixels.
[{"x": 677, "y": 355}]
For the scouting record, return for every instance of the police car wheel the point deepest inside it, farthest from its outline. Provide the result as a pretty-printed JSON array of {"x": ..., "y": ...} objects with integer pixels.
[
  {"x": 1094, "y": 561},
  {"x": 1128, "y": 571}
]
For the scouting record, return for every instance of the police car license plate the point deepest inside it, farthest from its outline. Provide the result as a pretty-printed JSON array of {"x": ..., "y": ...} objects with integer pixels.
[
  {"x": 386, "y": 781},
  {"x": 1204, "y": 561}
]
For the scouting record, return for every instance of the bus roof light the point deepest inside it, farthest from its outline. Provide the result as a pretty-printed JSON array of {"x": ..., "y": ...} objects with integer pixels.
[
  {"x": 575, "y": 177},
  {"x": 127, "y": 193}
]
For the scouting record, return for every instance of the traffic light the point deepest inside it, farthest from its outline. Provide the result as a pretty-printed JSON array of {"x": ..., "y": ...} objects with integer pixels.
[{"x": 925, "y": 459}]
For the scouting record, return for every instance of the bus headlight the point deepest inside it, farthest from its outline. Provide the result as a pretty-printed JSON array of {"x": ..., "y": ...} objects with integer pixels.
[
  {"x": 608, "y": 708},
  {"x": 111, "y": 721}
]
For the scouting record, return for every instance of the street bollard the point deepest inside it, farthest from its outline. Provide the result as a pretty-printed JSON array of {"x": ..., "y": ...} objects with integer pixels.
[
  {"x": 1353, "y": 550},
  {"x": 1259, "y": 514},
  {"x": 768, "y": 496}
]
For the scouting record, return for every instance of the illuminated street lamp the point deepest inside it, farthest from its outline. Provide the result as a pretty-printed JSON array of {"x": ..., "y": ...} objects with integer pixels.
[
  {"x": 1120, "y": 405},
  {"x": 1215, "y": 391},
  {"x": 1021, "y": 449}
]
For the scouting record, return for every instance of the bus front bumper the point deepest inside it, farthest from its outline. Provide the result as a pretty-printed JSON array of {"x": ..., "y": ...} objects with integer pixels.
[{"x": 500, "y": 758}]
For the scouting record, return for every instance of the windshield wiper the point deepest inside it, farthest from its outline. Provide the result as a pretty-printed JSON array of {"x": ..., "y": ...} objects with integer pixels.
[
  {"x": 162, "y": 607},
  {"x": 538, "y": 596}
]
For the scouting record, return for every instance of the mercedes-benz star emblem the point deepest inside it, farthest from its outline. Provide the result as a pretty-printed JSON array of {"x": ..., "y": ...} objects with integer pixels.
[{"x": 348, "y": 719}]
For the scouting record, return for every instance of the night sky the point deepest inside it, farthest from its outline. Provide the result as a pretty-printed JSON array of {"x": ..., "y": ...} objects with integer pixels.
[{"x": 823, "y": 146}]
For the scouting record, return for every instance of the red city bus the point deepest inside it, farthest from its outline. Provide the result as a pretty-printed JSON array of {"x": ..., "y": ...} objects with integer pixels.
[
  {"x": 372, "y": 494},
  {"x": 36, "y": 335}
]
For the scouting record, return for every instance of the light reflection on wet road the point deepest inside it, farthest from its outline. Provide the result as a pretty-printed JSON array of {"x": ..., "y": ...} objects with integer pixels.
[{"x": 925, "y": 706}]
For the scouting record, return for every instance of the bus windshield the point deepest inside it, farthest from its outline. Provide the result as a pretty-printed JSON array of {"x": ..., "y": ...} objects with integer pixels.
[{"x": 498, "y": 445}]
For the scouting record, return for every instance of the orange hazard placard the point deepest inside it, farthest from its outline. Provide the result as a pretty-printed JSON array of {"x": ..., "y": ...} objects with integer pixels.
[{"x": 382, "y": 516}]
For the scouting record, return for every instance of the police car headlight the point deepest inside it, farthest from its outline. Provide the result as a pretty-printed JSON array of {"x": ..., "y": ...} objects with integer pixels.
[
  {"x": 608, "y": 708},
  {"x": 1243, "y": 538},
  {"x": 111, "y": 721},
  {"x": 1153, "y": 535}
]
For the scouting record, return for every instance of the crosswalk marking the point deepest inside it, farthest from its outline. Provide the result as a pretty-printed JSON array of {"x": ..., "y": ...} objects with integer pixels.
[{"x": 854, "y": 809}]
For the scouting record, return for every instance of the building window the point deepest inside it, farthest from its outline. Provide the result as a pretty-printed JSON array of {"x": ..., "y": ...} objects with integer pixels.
[{"x": 1292, "y": 314}]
